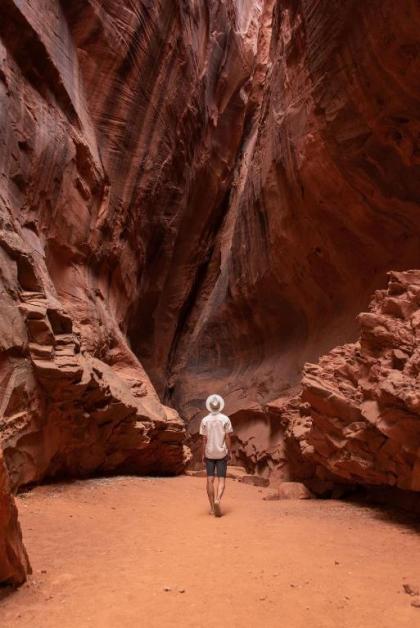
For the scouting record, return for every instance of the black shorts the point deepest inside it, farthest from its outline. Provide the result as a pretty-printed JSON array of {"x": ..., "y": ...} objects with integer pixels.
[{"x": 216, "y": 464}]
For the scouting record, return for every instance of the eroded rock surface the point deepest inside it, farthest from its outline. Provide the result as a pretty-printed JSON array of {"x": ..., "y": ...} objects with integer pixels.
[
  {"x": 324, "y": 202},
  {"x": 359, "y": 413},
  {"x": 74, "y": 398},
  {"x": 64, "y": 410},
  {"x": 14, "y": 564}
]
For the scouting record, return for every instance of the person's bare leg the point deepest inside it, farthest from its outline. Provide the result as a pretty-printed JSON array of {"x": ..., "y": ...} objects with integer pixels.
[
  {"x": 220, "y": 489},
  {"x": 210, "y": 491},
  {"x": 219, "y": 492}
]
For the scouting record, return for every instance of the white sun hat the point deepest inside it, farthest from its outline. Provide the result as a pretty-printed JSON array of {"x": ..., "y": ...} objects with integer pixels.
[{"x": 215, "y": 398}]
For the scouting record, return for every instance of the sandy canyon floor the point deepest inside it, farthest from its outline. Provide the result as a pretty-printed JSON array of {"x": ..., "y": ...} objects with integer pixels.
[{"x": 144, "y": 552}]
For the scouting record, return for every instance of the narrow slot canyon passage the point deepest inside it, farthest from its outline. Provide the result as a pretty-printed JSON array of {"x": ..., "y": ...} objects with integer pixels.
[
  {"x": 200, "y": 200},
  {"x": 104, "y": 551}
]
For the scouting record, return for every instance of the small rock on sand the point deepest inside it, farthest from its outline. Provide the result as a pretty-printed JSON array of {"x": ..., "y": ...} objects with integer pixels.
[
  {"x": 410, "y": 589},
  {"x": 288, "y": 490}
]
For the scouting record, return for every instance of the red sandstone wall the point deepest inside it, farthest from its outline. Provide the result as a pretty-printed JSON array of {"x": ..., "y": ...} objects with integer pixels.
[
  {"x": 73, "y": 398},
  {"x": 14, "y": 564},
  {"x": 363, "y": 399},
  {"x": 325, "y": 200}
]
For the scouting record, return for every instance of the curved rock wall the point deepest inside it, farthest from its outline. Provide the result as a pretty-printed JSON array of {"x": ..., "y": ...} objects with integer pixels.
[
  {"x": 74, "y": 397},
  {"x": 325, "y": 200}
]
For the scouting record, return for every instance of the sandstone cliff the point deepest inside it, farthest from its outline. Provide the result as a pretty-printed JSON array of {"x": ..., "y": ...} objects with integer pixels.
[
  {"x": 74, "y": 397},
  {"x": 324, "y": 201}
]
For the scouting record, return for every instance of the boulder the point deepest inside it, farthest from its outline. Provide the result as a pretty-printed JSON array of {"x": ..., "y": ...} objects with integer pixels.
[
  {"x": 288, "y": 490},
  {"x": 14, "y": 563}
]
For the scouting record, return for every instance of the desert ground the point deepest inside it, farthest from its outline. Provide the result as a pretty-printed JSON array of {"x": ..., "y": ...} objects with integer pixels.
[{"x": 129, "y": 552}]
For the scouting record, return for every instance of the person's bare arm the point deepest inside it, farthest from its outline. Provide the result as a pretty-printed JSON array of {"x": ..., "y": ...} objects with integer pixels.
[
  {"x": 228, "y": 441},
  {"x": 203, "y": 447}
]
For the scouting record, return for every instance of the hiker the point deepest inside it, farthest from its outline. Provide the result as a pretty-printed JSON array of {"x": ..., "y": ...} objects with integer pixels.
[{"x": 216, "y": 447}]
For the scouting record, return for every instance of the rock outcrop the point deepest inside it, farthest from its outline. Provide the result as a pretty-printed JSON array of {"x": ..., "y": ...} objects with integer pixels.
[
  {"x": 14, "y": 564},
  {"x": 64, "y": 410},
  {"x": 358, "y": 416}
]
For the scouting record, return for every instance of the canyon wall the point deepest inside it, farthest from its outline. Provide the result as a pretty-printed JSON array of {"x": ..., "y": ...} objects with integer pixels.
[
  {"x": 363, "y": 399},
  {"x": 14, "y": 564},
  {"x": 75, "y": 398},
  {"x": 195, "y": 196},
  {"x": 324, "y": 201},
  {"x": 121, "y": 125}
]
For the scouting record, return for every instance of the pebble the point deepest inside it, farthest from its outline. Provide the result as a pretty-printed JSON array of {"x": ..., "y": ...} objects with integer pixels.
[
  {"x": 410, "y": 589},
  {"x": 167, "y": 589}
]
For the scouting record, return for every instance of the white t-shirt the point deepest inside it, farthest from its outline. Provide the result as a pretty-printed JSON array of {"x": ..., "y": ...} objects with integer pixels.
[{"x": 215, "y": 427}]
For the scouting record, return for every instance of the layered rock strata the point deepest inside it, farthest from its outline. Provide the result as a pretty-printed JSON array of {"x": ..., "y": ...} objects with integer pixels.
[
  {"x": 64, "y": 410},
  {"x": 358, "y": 416}
]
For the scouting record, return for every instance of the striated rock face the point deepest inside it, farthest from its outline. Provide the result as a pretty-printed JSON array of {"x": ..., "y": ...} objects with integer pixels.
[
  {"x": 14, "y": 564},
  {"x": 324, "y": 202},
  {"x": 121, "y": 124},
  {"x": 74, "y": 398},
  {"x": 359, "y": 414}
]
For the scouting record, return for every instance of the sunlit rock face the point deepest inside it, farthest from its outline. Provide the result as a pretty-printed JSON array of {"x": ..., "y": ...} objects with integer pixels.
[{"x": 74, "y": 99}]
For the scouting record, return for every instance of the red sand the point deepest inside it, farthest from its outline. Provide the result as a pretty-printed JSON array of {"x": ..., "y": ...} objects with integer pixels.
[{"x": 103, "y": 551}]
